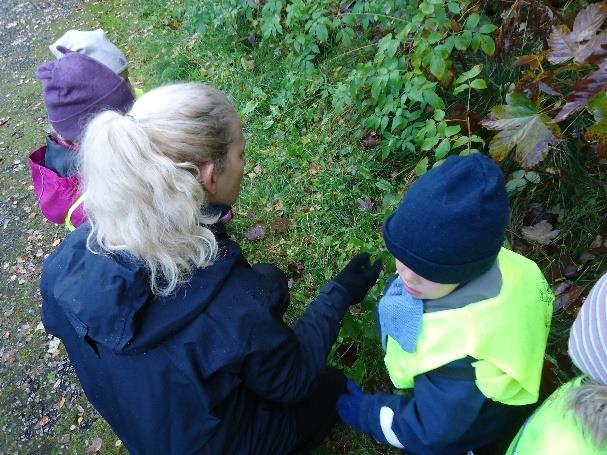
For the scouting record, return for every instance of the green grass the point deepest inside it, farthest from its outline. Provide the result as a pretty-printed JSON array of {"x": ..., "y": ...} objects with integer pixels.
[{"x": 306, "y": 163}]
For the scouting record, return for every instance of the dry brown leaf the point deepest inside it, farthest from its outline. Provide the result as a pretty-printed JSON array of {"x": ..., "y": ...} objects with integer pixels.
[
  {"x": 43, "y": 421},
  {"x": 541, "y": 232},
  {"x": 95, "y": 445}
]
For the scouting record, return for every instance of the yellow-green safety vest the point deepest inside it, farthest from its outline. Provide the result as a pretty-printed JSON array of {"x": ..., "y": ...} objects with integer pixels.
[
  {"x": 68, "y": 218},
  {"x": 506, "y": 334},
  {"x": 554, "y": 430}
]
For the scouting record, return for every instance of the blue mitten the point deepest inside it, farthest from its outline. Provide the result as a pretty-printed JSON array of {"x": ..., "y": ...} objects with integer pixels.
[{"x": 349, "y": 405}]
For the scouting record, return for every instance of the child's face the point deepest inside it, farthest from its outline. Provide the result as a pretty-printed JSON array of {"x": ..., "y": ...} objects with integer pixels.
[{"x": 421, "y": 288}]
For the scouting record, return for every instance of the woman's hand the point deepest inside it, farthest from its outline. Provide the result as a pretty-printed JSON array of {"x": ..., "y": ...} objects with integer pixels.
[{"x": 359, "y": 275}]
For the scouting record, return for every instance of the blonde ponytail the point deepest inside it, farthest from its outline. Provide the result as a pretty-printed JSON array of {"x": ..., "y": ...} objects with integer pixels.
[{"x": 139, "y": 172}]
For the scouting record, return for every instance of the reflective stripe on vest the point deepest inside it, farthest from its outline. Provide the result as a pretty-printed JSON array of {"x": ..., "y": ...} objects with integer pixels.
[
  {"x": 552, "y": 429},
  {"x": 68, "y": 218},
  {"x": 506, "y": 334}
]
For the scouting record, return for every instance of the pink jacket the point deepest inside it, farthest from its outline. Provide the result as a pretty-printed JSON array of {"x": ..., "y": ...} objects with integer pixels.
[{"x": 56, "y": 194}]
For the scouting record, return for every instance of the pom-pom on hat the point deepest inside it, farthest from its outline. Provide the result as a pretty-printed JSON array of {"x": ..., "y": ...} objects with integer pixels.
[
  {"x": 450, "y": 225},
  {"x": 75, "y": 87},
  {"x": 93, "y": 43},
  {"x": 588, "y": 336}
]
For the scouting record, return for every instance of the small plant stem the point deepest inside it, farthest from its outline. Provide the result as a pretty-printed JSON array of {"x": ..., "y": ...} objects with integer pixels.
[
  {"x": 375, "y": 14},
  {"x": 350, "y": 52},
  {"x": 554, "y": 11}
]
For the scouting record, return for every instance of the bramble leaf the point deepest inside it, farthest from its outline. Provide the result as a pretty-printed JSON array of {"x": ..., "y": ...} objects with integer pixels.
[
  {"x": 583, "y": 91},
  {"x": 520, "y": 125}
]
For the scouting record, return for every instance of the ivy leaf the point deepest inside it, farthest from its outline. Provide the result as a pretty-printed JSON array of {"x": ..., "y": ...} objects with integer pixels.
[
  {"x": 520, "y": 125},
  {"x": 582, "y": 91},
  {"x": 582, "y": 44}
]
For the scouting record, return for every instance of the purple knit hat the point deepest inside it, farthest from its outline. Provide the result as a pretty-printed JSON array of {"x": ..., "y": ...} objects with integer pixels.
[
  {"x": 75, "y": 87},
  {"x": 588, "y": 337}
]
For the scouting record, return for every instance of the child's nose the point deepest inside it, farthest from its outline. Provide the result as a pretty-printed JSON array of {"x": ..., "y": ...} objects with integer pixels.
[{"x": 410, "y": 276}]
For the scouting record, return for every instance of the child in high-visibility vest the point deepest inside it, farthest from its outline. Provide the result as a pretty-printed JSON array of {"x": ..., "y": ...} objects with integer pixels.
[
  {"x": 573, "y": 420},
  {"x": 463, "y": 323}
]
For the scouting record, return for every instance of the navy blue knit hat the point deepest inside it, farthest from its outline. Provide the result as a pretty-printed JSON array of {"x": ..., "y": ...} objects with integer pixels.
[{"x": 450, "y": 225}]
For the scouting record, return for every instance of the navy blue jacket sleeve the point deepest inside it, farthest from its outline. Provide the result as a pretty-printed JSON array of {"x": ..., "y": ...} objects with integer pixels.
[
  {"x": 441, "y": 407},
  {"x": 285, "y": 363}
]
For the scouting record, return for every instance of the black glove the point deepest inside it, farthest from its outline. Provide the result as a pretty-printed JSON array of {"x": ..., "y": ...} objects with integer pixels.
[{"x": 358, "y": 276}]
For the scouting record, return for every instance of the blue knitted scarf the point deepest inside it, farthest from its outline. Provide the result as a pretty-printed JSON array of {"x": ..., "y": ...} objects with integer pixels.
[{"x": 400, "y": 316}]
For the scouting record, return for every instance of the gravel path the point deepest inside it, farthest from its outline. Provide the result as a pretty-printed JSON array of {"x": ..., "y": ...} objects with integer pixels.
[{"x": 42, "y": 408}]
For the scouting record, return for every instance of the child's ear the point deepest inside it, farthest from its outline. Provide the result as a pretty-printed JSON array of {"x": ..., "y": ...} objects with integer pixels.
[{"x": 206, "y": 177}]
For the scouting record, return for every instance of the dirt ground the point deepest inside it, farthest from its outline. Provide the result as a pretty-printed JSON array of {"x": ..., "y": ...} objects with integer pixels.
[{"x": 42, "y": 408}]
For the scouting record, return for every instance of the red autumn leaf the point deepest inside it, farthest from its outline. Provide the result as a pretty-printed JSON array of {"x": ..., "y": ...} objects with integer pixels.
[
  {"x": 583, "y": 91},
  {"x": 371, "y": 140},
  {"x": 255, "y": 232},
  {"x": 282, "y": 224},
  {"x": 582, "y": 44},
  {"x": 532, "y": 84}
]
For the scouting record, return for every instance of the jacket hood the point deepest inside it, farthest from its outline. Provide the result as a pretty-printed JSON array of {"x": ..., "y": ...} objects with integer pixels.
[{"x": 108, "y": 298}]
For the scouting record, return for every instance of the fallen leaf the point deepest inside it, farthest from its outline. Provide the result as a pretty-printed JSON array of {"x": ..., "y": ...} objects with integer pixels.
[
  {"x": 255, "y": 232},
  {"x": 8, "y": 358},
  {"x": 566, "y": 297},
  {"x": 95, "y": 445},
  {"x": 43, "y": 421},
  {"x": 367, "y": 204},
  {"x": 296, "y": 268},
  {"x": 583, "y": 91},
  {"x": 541, "y": 232},
  {"x": 247, "y": 64},
  {"x": 582, "y": 44},
  {"x": 315, "y": 168},
  {"x": 53, "y": 346},
  {"x": 282, "y": 224},
  {"x": 520, "y": 125},
  {"x": 570, "y": 269},
  {"x": 534, "y": 60},
  {"x": 371, "y": 140}
]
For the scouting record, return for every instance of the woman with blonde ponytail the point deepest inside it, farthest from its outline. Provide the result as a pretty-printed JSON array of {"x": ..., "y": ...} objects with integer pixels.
[
  {"x": 177, "y": 341},
  {"x": 573, "y": 420}
]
